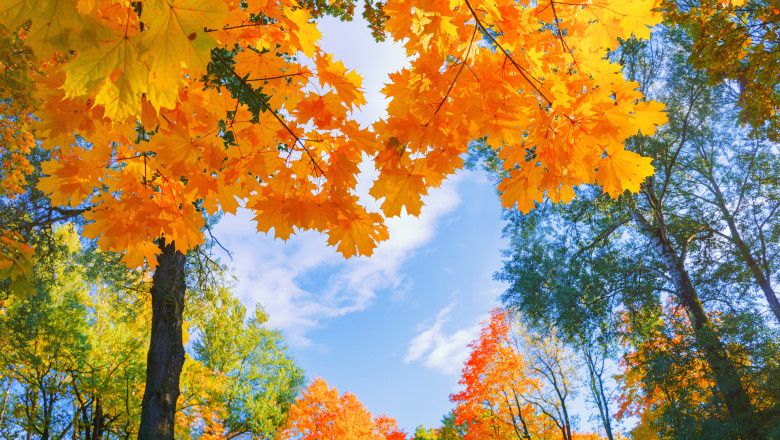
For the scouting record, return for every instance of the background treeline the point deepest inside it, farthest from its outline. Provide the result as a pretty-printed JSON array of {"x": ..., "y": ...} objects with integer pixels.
[
  {"x": 675, "y": 284},
  {"x": 73, "y": 358}
]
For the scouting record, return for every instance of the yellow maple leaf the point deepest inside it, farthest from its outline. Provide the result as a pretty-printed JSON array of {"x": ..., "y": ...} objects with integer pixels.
[
  {"x": 302, "y": 34},
  {"x": 622, "y": 170},
  {"x": 357, "y": 234},
  {"x": 176, "y": 38},
  {"x": 649, "y": 115},
  {"x": 400, "y": 189},
  {"x": 186, "y": 227},
  {"x": 115, "y": 65},
  {"x": 325, "y": 110},
  {"x": 140, "y": 250},
  {"x": 521, "y": 188},
  {"x": 342, "y": 169},
  {"x": 347, "y": 84},
  {"x": 262, "y": 66},
  {"x": 319, "y": 214},
  {"x": 270, "y": 212},
  {"x": 54, "y": 23},
  {"x": 14, "y": 13}
]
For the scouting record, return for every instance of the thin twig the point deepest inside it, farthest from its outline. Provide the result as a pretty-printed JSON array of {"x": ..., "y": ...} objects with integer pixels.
[
  {"x": 462, "y": 65},
  {"x": 560, "y": 35},
  {"x": 520, "y": 69},
  {"x": 267, "y": 108},
  {"x": 289, "y": 75},
  {"x": 229, "y": 254}
]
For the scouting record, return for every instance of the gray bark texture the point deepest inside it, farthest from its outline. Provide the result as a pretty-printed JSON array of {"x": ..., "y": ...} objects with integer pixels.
[{"x": 166, "y": 350}]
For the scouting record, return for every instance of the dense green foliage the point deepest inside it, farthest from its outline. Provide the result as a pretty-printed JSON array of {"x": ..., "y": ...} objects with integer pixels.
[{"x": 73, "y": 358}]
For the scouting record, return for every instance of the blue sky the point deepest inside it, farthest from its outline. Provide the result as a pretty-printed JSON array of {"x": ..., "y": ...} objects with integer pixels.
[{"x": 393, "y": 329}]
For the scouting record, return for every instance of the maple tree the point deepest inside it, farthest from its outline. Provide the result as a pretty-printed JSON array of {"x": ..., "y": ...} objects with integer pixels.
[
  {"x": 155, "y": 114},
  {"x": 516, "y": 385},
  {"x": 495, "y": 378},
  {"x": 320, "y": 413}
]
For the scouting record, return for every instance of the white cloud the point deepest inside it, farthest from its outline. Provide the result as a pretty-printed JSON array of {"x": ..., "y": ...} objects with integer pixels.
[
  {"x": 439, "y": 351},
  {"x": 303, "y": 281}
]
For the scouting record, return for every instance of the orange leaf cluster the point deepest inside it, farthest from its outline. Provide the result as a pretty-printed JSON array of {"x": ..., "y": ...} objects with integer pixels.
[
  {"x": 532, "y": 77},
  {"x": 16, "y": 137},
  {"x": 140, "y": 135},
  {"x": 135, "y": 134},
  {"x": 321, "y": 414},
  {"x": 495, "y": 378}
]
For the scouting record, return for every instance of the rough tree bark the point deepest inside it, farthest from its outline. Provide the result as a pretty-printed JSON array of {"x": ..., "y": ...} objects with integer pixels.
[{"x": 166, "y": 350}]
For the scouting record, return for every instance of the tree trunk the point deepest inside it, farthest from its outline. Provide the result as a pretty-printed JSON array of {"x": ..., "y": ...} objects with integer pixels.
[
  {"x": 727, "y": 377},
  {"x": 98, "y": 420},
  {"x": 166, "y": 350}
]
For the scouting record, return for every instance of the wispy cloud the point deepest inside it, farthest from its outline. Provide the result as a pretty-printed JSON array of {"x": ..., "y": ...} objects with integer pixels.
[
  {"x": 303, "y": 281},
  {"x": 438, "y": 350}
]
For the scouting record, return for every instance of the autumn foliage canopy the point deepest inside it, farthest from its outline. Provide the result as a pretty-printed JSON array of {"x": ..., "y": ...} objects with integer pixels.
[{"x": 155, "y": 113}]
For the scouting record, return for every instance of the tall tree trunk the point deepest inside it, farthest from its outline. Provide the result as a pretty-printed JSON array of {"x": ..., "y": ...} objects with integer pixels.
[
  {"x": 166, "y": 350},
  {"x": 98, "y": 420},
  {"x": 727, "y": 376}
]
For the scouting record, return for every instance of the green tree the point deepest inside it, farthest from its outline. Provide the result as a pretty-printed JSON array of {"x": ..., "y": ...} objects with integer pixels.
[
  {"x": 449, "y": 430},
  {"x": 423, "y": 433},
  {"x": 260, "y": 380},
  {"x": 73, "y": 363},
  {"x": 70, "y": 362},
  {"x": 577, "y": 265}
]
